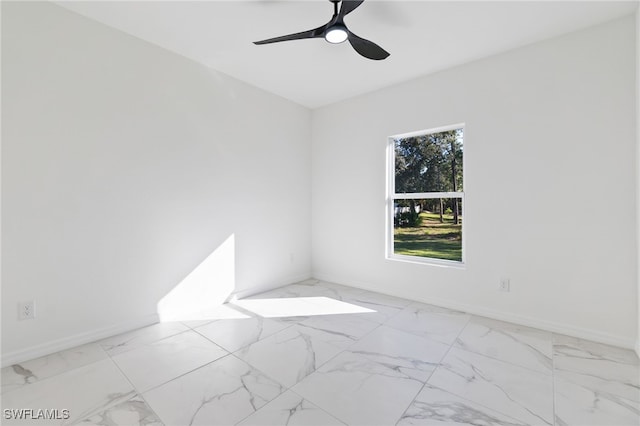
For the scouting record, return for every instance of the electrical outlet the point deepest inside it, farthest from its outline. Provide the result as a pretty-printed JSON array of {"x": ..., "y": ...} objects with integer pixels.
[
  {"x": 27, "y": 310},
  {"x": 505, "y": 285}
]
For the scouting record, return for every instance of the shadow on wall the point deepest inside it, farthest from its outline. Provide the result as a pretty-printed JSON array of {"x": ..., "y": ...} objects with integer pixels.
[{"x": 205, "y": 289}]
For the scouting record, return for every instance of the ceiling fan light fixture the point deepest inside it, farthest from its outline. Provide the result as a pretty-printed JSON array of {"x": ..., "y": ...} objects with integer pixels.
[
  {"x": 336, "y": 34},
  {"x": 335, "y": 31}
]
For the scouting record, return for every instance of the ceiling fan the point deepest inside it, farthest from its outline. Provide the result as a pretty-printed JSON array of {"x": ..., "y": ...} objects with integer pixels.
[{"x": 335, "y": 31}]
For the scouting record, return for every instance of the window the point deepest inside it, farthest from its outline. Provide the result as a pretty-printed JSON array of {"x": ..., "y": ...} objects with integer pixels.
[{"x": 425, "y": 196}]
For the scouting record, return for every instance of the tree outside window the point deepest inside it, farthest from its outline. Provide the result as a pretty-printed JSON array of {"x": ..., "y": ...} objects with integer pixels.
[{"x": 426, "y": 203}]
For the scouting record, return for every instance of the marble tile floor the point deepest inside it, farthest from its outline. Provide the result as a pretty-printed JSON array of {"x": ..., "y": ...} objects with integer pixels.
[{"x": 316, "y": 353}]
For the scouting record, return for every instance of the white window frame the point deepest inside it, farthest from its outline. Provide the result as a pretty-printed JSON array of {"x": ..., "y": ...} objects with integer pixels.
[{"x": 392, "y": 195}]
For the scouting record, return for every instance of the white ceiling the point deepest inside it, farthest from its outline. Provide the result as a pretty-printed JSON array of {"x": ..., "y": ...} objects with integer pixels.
[{"x": 422, "y": 36}]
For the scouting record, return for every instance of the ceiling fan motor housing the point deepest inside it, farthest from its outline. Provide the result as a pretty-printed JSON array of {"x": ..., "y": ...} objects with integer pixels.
[{"x": 335, "y": 31}]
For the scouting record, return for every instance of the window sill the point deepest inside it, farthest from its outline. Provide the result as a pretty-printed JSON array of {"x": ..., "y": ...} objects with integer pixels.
[{"x": 442, "y": 263}]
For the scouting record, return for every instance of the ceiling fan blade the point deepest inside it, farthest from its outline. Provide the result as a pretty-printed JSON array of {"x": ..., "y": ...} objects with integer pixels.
[
  {"x": 315, "y": 33},
  {"x": 367, "y": 48},
  {"x": 349, "y": 6}
]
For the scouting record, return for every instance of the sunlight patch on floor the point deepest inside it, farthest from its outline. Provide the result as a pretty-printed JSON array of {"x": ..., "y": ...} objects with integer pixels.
[{"x": 299, "y": 306}]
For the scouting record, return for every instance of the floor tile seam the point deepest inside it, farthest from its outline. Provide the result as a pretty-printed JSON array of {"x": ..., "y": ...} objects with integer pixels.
[
  {"x": 431, "y": 339},
  {"x": 294, "y": 392},
  {"x": 569, "y": 370},
  {"x": 106, "y": 356},
  {"x": 142, "y": 394},
  {"x": 476, "y": 402},
  {"x": 574, "y": 342},
  {"x": 515, "y": 328},
  {"x": 255, "y": 411},
  {"x": 348, "y": 349},
  {"x": 466, "y": 324},
  {"x": 326, "y": 411},
  {"x": 569, "y": 381},
  {"x": 286, "y": 388},
  {"x": 557, "y": 357},
  {"x": 461, "y": 397},
  {"x": 592, "y": 360},
  {"x": 151, "y": 408},
  {"x": 467, "y": 400},
  {"x": 243, "y": 310},
  {"x": 252, "y": 413},
  {"x": 342, "y": 348},
  {"x": 549, "y": 373},
  {"x": 394, "y": 315},
  {"x": 301, "y": 323},
  {"x": 414, "y": 398},
  {"x": 553, "y": 336},
  {"x": 370, "y": 374},
  {"x": 341, "y": 351},
  {"x": 566, "y": 375},
  {"x": 268, "y": 376},
  {"x": 317, "y": 403},
  {"x": 182, "y": 374},
  {"x": 434, "y": 370},
  {"x": 515, "y": 337},
  {"x": 194, "y": 327},
  {"x": 109, "y": 406},
  {"x": 357, "y": 292},
  {"x": 364, "y": 291},
  {"x": 258, "y": 409},
  {"x": 244, "y": 346},
  {"x": 367, "y": 319},
  {"x": 362, "y": 337},
  {"x": 3, "y": 393},
  {"x": 432, "y": 308},
  {"x": 150, "y": 344},
  {"x": 400, "y": 309},
  {"x": 291, "y": 325},
  {"x": 145, "y": 343},
  {"x": 136, "y": 330},
  {"x": 355, "y": 301},
  {"x": 22, "y": 385}
]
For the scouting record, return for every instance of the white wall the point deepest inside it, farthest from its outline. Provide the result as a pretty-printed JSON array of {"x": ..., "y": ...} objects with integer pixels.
[
  {"x": 123, "y": 167},
  {"x": 550, "y": 185},
  {"x": 638, "y": 169}
]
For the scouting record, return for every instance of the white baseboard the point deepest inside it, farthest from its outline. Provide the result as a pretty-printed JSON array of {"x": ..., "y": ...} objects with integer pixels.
[
  {"x": 64, "y": 343},
  {"x": 53, "y": 346},
  {"x": 270, "y": 286},
  {"x": 542, "y": 324}
]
